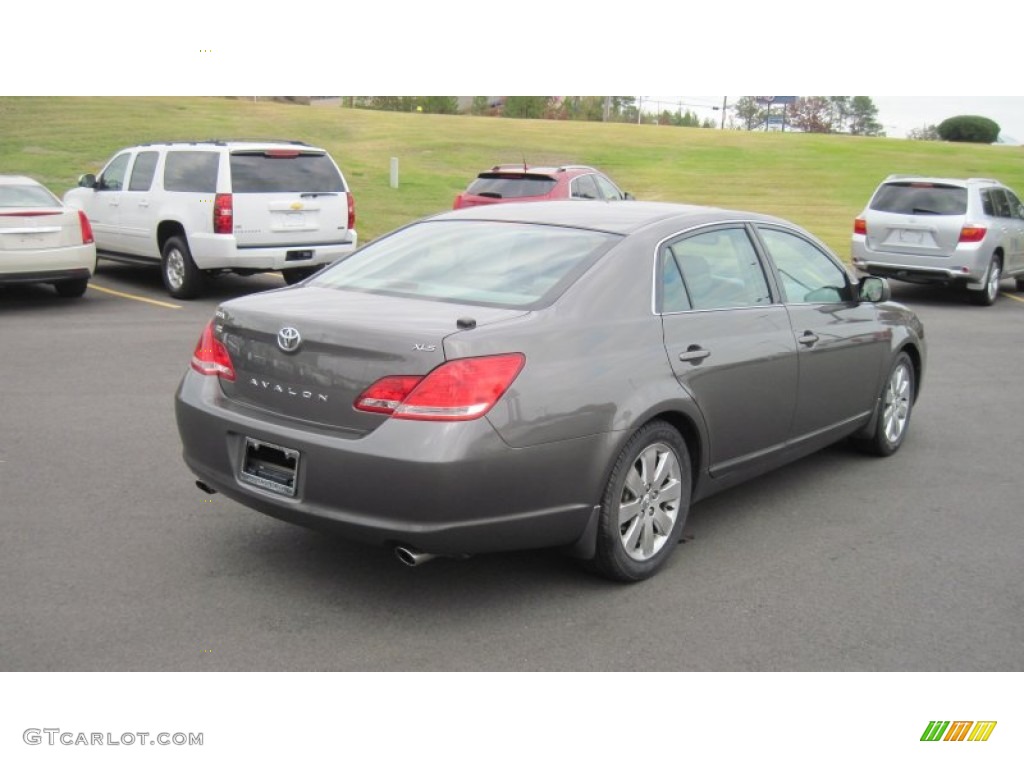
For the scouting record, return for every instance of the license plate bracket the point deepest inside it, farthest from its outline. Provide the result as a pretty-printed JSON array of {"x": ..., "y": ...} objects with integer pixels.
[{"x": 271, "y": 467}]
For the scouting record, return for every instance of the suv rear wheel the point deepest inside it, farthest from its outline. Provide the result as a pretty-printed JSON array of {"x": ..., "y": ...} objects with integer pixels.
[
  {"x": 182, "y": 278},
  {"x": 987, "y": 296}
]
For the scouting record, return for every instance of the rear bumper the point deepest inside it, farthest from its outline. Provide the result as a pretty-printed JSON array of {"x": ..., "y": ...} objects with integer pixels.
[
  {"x": 442, "y": 488},
  {"x": 223, "y": 252},
  {"x": 965, "y": 265},
  {"x": 46, "y": 266}
]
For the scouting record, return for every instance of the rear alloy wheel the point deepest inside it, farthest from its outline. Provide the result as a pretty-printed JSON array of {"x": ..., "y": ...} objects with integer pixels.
[
  {"x": 182, "y": 278},
  {"x": 71, "y": 289},
  {"x": 987, "y": 296},
  {"x": 893, "y": 418},
  {"x": 645, "y": 504}
]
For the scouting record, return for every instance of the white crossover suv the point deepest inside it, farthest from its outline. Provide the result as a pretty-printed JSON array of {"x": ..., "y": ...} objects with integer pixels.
[{"x": 204, "y": 207}]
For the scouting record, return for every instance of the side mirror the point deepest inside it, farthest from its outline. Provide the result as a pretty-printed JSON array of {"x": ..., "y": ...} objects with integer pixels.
[
  {"x": 627, "y": 196},
  {"x": 87, "y": 180},
  {"x": 874, "y": 289}
]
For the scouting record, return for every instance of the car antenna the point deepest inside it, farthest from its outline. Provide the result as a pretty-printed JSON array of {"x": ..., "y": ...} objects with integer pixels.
[{"x": 524, "y": 164}]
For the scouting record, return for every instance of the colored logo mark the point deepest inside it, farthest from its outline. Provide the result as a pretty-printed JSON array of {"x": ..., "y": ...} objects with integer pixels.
[{"x": 958, "y": 730}]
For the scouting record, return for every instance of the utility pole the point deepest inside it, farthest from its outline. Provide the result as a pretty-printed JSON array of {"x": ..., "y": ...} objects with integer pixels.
[{"x": 725, "y": 105}]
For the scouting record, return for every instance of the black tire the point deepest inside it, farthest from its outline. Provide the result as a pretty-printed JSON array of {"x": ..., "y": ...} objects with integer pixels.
[
  {"x": 182, "y": 278},
  {"x": 297, "y": 275},
  {"x": 894, "y": 409},
  {"x": 71, "y": 289},
  {"x": 652, "y": 477},
  {"x": 987, "y": 296}
]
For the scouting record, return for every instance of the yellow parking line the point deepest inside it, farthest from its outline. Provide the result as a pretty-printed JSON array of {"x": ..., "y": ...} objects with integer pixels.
[
  {"x": 1015, "y": 298},
  {"x": 164, "y": 304}
]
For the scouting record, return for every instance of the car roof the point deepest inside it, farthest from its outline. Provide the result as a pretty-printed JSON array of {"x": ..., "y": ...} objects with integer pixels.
[
  {"x": 619, "y": 217},
  {"x": 235, "y": 143},
  {"x": 898, "y": 177}
]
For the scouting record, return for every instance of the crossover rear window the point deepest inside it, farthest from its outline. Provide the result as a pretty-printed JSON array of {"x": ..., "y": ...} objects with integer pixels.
[
  {"x": 270, "y": 171},
  {"x": 921, "y": 199},
  {"x": 504, "y": 186}
]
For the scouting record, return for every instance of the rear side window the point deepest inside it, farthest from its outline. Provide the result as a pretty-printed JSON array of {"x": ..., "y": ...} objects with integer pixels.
[
  {"x": 504, "y": 187},
  {"x": 921, "y": 199},
  {"x": 142, "y": 172},
  {"x": 284, "y": 171},
  {"x": 189, "y": 171}
]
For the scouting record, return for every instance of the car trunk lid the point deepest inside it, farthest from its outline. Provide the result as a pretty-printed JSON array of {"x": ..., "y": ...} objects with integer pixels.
[
  {"x": 38, "y": 228},
  {"x": 346, "y": 341}
]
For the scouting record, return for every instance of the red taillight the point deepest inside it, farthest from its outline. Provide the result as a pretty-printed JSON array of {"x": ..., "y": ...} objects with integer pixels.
[
  {"x": 83, "y": 221},
  {"x": 211, "y": 357},
  {"x": 460, "y": 390},
  {"x": 972, "y": 234},
  {"x": 223, "y": 215},
  {"x": 458, "y": 202},
  {"x": 860, "y": 227},
  {"x": 351, "y": 210}
]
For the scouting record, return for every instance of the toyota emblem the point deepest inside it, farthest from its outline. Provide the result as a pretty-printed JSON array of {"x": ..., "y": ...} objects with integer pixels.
[{"x": 288, "y": 339}]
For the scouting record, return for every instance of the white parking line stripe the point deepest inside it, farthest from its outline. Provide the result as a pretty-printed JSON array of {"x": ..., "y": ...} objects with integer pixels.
[{"x": 165, "y": 304}]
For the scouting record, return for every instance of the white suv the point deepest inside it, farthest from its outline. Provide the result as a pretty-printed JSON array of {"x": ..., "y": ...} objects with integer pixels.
[{"x": 204, "y": 207}]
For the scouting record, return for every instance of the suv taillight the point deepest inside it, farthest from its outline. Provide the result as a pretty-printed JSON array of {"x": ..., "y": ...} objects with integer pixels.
[
  {"x": 211, "y": 358},
  {"x": 860, "y": 227},
  {"x": 223, "y": 215},
  {"x": 83, "y": 221},
  {"x": 351, "y": 211},
  {"x": 459, "y": 390},
  {"x": 972, "y": 234}
]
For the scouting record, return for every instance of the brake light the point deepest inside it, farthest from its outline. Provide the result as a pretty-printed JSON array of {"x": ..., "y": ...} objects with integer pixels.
[
  {"x": 458, "y": 202},
  {"x": 972, "y": 234},
  {"x": 211, "y": 357},
  {"x": 351, "y": 211},
  {"x": 223, "y": 215},
  {"x": 281, "y": 153},
  {"x": 860, "y": 227},
  {"x": 459, "y": 390},
  {"x": 83, "y": 222}
]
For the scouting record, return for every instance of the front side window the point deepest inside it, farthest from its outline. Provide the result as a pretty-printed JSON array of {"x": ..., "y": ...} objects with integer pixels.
[
  {"x": 113, "y": 175},
  {"x": 608, "y": 190},
  {"x": 471, "y": 262},
  {"x": 1015, "y": 207},
  {"x": 719, "y": 269},
  {"x": 142, "y": 172},
  {"x": 807, "y": 274}
]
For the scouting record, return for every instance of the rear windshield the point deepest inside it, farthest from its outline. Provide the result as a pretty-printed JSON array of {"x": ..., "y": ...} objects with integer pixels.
[
  {"x": 505, "y": 186},
  {"x": 26, "y": 195},
  {"x": 921, "y": 198},
  {"x": 285, "y": 172},
  {"x": 499, "y": 264}
]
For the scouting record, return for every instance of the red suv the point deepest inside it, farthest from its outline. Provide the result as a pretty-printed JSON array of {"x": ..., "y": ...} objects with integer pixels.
[{"x": 522, "y": 183}]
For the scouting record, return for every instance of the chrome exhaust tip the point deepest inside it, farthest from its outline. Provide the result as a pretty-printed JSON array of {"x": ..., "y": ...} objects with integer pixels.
[{"x": 412, "y": 557}]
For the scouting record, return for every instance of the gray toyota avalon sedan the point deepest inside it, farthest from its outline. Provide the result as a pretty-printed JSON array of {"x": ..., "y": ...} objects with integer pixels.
[{"x": 568, "y": 374}]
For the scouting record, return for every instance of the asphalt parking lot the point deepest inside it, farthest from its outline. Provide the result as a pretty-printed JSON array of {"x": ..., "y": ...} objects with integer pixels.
[{"x": 113, "y": 560}]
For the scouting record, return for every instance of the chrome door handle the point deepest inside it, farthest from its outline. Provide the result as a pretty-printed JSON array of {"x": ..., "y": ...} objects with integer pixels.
[
  {"x": 808, "y": 339},
  {"x": 694, "y": 354}
]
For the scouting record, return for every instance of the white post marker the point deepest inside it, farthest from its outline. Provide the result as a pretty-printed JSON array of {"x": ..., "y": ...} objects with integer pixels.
[{"x": 394, "y": 173}]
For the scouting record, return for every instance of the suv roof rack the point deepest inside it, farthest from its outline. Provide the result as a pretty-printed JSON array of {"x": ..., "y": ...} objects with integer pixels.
[{"x": 223, "y": 142}]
